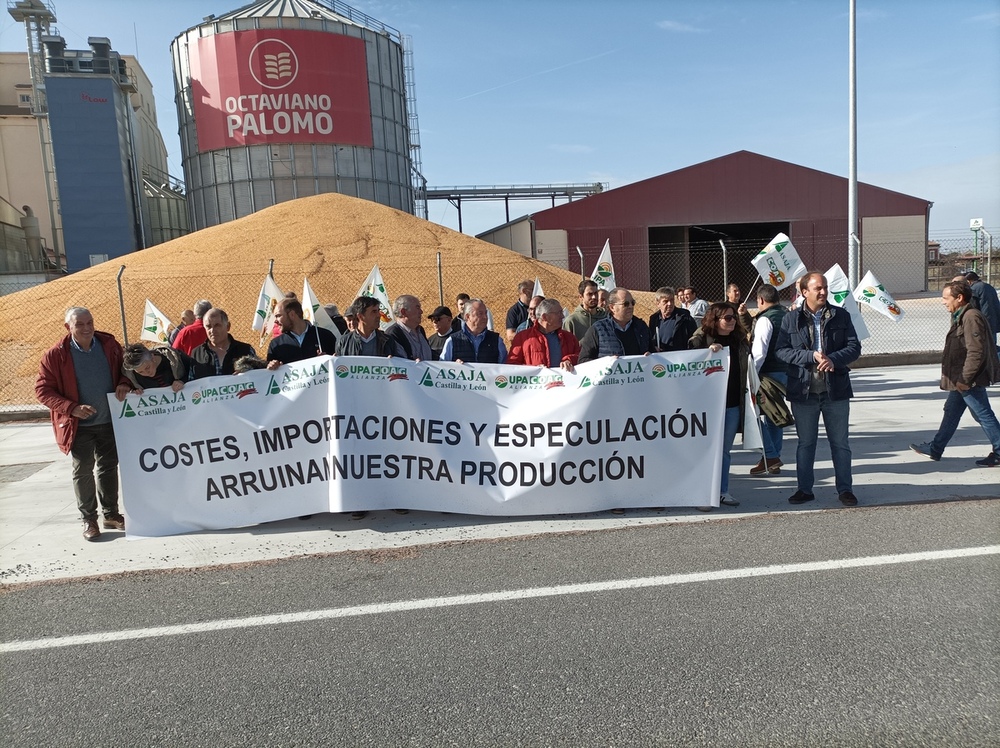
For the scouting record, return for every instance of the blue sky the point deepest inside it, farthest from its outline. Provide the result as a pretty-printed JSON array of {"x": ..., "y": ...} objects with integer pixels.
[{"x": 582, "y": 91}]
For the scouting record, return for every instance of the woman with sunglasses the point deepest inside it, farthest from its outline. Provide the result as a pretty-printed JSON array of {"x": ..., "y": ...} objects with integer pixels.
[{"x": 721, "y": 328}]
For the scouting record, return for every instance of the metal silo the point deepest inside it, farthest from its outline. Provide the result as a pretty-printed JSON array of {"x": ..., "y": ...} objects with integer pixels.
[{"x": 288, "y": 98}]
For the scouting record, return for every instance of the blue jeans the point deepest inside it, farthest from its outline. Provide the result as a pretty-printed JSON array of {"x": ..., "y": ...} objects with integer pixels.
[
  {"x": 836, "y": 418},
  {"x": 770, "y": 433},
  {"x": 732, "y": 424},
  {"x": 978, "y": 403}
]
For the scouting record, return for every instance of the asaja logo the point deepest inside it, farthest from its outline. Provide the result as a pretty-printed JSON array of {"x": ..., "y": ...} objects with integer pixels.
[
  {"x": 659, "y": 371},
  {"x": 500, "y": 381},
  {"x": 127, "y": 411},
  {"x": 839, "y": 296},
  {"x": 604, "y": 270},
  {"x": 585, "y": 382},
  {"x": 273, "y": 63},
  {"x": 426, "y": 380},
  {"x": 342, "y": 371},
  {"x": 273, "y": 388}
]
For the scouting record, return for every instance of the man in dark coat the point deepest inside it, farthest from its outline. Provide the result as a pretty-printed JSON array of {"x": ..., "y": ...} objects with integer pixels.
[
  {"x": 671, "y": 327},
  {"x": 969, "y": 365},
  {"x": 818, "y": 343},
  {"x": 74, "y": 380}
]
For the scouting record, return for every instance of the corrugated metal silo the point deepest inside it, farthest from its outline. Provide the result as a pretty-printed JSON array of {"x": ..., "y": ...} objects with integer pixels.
[{"x": 289, "y": 98}]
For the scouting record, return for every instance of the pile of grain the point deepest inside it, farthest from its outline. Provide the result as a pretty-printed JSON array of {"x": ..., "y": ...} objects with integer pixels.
[{"x": 332, "y": 239}]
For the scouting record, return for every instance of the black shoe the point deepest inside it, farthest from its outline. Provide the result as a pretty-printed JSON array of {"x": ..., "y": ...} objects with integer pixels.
[
  {"x": 991, "y": 460},
  {"x": 801, "y": 497},
  {"x": 848, "y": 499}
]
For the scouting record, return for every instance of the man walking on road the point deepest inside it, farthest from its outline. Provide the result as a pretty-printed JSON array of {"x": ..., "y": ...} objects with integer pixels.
[
  {"x": 969, "y": 365},
  {"x": 818, "y": 342},
  {"x": 74, "y": 380}
]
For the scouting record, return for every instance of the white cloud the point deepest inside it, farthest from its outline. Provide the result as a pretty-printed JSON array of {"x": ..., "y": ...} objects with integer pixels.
[
  {"x": 679, "y": 27},
  {"x": 991, "y": 19}
]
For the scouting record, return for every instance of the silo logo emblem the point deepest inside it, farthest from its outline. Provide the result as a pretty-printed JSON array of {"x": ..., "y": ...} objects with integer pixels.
[{"x": 273, "y": 63}]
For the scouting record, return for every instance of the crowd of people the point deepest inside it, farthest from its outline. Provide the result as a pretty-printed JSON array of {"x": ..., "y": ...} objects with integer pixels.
[{"x": 801, "y": 354}]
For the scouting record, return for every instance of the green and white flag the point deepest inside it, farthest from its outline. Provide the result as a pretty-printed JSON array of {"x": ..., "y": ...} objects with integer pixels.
[
  {"x": 872, "y": 294},
  {"x": 374, "y": 286},
  {"x": 263, "y": 318},
  {"x": 604, "y": 272},
  {"x": 839, "y": 294},
  {"x": 155, "y": 324},
  {"x": 313, "y": 311},
  {"x": 778, "y": 263}
]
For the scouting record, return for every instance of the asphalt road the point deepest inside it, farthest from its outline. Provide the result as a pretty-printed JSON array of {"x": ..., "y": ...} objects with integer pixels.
[{"x": 881, "y": 654}]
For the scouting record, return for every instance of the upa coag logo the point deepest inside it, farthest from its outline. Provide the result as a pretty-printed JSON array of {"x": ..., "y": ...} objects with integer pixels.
[
  {"x": 234, "y": 391},
  {"x": 659, "y": 371},
  {"x": 604, "y": 270},
  {"x": 501, "y": 382},
  {"x": 273, "y": 63},
  {"x": 342, "y": 371}
]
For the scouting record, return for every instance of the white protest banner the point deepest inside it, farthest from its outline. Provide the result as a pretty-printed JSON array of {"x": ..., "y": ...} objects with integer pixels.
[
  {"x": 778, "y": 263},
  {"x": 604, "y": 271},
  {"x": 873, "y": 294},
  {"x": 752, "y": 436},
  {"x": 357, "y": 433},
  {"x": 374, "y": 286},
  {"x": 263, "y": 318},
  {"x": 154, "y": 324},
  {"x": 314, "y": 312},
  {"x": 839, "y": 294}
]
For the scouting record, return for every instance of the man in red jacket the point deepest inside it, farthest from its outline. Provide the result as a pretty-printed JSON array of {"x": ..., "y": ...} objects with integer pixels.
[
  {"x": 74, "y": 380},
  {"x": 546, "y": 343}
]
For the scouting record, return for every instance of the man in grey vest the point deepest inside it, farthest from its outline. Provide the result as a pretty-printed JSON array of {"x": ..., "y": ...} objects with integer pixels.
[
  {"x": 75, "y": 377},
  {"x": 765, "y": 334},
  {"x": 621, "y": 334},
  {"x": 474, "y": 344}
]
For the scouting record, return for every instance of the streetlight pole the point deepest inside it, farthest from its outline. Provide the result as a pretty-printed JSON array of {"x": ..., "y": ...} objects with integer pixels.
[{"x": 853, "y": 245}]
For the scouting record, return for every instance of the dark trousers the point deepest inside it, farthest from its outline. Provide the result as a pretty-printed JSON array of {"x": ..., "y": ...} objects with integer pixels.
[{"x": 94, "y": 446}]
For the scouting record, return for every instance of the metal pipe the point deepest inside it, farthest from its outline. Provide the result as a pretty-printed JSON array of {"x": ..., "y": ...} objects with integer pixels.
[
  {"x": 582, "y": 276},
  {"x": 121, "y": 303}
]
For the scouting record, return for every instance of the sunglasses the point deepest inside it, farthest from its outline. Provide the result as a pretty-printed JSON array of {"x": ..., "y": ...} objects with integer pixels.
[
  {"x": 729, "y": 317},
  {"x": 624, "y": 303}
]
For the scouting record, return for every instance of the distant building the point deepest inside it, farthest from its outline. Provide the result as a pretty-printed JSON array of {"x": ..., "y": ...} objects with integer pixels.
[
  {"x": 80, "y": 146},
  {"x": 666, "y": 230}
]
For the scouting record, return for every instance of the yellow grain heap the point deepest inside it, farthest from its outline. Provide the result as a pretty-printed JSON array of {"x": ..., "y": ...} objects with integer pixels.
[{"x": 332, "y": 239}]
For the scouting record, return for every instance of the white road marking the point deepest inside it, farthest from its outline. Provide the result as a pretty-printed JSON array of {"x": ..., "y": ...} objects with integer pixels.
[{"x": 490, "y": 597}]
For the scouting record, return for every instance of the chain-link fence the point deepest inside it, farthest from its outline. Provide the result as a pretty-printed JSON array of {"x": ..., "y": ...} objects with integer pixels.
[{"x": 913, "y": 276}]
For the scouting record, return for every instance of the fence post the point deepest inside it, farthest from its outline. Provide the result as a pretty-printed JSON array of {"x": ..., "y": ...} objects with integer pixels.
[
  {"x": 725, "y": 269},
  {"x": 121, "y": 303},
  {"x": 440, "y": 282}
]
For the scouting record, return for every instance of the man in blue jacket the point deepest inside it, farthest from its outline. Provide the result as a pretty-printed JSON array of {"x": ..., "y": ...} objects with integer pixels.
[{"x": 818, "y": 342}]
